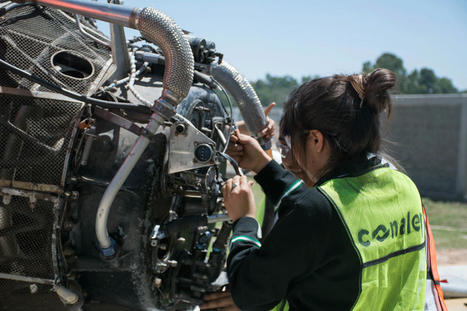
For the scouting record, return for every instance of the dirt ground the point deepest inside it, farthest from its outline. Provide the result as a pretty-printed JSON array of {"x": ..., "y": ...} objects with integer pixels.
[
  {"x": 459, "y": 304},
  {"x": 453, "y": 257},
  {"x": 448, "y": 257}
]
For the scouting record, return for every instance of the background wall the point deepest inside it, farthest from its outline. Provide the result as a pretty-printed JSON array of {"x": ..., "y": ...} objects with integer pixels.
[{"x": 427, "y": 134}]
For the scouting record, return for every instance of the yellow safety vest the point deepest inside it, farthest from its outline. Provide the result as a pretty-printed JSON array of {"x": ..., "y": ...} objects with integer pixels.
[{"x": 382, "y": 213}]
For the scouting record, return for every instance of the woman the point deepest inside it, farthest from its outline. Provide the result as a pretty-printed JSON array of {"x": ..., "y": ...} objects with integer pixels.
[{"x": 354, "y": 238}]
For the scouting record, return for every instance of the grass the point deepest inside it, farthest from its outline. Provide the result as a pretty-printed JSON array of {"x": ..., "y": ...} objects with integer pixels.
[{"x": 448, "y": 222}]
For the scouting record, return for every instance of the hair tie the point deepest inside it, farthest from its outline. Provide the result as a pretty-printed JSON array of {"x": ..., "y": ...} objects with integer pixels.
[{"x": 357, "y": 84}]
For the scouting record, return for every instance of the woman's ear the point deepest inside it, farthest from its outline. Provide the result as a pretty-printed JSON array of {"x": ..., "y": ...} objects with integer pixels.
[{"x": 316, "y": 139}]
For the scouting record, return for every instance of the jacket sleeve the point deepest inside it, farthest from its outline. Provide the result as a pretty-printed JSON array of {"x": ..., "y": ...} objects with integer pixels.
[{"x": 261, "y": 274}]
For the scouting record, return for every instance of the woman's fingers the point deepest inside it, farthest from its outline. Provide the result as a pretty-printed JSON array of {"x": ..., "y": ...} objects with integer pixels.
[
  {"x": 220, "y": 300},
  {"x": 244, "y": 139},
  {"x": 235, "y": 134},
  {"x": 268, "y": 131},
  {"x": 236, "y": 184},
  {"x": 235, "y": 147},
  {"x": 268, "y": 109},
  {"x": 227, "y": 188},
  {"x": 232, "y": 185},
  {"x": 214, "y": 296},
  {"x": 244, "y": 182},
  {"x": 220, "y": 303}
]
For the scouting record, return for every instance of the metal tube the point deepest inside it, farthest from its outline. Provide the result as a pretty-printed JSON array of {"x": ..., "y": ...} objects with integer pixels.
[
  {"x": 178, "y": 76},
  {"x": 25, "y": 279},
  {"x": 120, "y": 56},
  {"x": 218, "y": 218},
  {"x": 114, "y": 14},
  {"x": 117, "y": 182}
]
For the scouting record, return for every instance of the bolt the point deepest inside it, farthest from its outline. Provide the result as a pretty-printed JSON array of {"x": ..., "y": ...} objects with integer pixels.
[
  {"x": 6, "y": 199},
  {"x": 74, "y": 195},
  {"x": 157, "y": 282},
  {"x": 68, "y": 225},
  {"x": 172, "y": 263},
  {"x": 67, "y": 252},
  {"x": 180, "y": 128},
  {"x": 161, "y": 267}
]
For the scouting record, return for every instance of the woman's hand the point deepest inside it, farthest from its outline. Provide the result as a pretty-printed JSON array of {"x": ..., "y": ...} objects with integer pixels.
[
  {"x": 238, "y": 198},
  {"x": 219, "y": 301},
  {"x": 269, "y": 131},
  {"x": 235, "y": 150},
  {"x": 249, "y": 153}
]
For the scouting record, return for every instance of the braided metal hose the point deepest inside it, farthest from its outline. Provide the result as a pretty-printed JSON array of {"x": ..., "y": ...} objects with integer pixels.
[{"x": 245, "y": 96}]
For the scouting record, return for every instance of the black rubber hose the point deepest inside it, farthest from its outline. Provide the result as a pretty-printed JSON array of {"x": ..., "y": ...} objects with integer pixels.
[{"x": 13, "y": 6}]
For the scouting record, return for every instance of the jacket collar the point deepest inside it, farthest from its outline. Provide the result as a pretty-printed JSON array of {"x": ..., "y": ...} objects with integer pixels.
[{"x": 353, "y": 168}]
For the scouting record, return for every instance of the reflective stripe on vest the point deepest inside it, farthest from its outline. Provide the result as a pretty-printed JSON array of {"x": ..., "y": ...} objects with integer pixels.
[{"x": 383, "y": 216}]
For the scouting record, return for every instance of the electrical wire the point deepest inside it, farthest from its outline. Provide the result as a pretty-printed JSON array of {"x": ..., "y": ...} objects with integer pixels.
[
  {"x": 219, "y": 86},
  {"x": 131, "y": 82},
  {"x": 232, "y": 124},
  {"x": 125, "y": 80}
]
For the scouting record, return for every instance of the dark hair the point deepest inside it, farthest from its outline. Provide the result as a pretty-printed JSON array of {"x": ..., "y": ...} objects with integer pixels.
[{"x": 346, "y": 109}]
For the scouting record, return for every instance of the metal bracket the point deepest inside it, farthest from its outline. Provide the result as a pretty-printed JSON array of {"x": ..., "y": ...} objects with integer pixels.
[
  {"x": 186, "y": 144},
  {"x": 120, "y": 121}
]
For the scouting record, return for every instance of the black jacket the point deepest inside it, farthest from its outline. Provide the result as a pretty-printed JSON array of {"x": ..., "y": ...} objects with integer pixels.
[{"x": 307, "y": 258}]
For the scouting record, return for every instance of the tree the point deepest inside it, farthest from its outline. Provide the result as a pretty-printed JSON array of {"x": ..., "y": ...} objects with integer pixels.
[
  {"x": 445, "y": 86},
  {"x": 424, "y": 81},
  {"x": 428, "y": 81},
  {"x": 274, "y": 88},
  {"x": 412, "y": 86}
]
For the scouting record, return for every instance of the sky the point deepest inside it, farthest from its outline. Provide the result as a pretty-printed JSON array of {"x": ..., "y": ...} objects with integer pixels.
[{"x": 308, "y": 37}]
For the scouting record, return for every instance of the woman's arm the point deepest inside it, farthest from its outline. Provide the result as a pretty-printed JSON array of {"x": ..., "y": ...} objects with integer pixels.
[{"x": 260, "y": 275}]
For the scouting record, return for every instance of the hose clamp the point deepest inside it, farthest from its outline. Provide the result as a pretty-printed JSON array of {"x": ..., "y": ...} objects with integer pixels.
[
  {"x": 163, "y": 108},
  {"x": 109, "y": 252}
]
